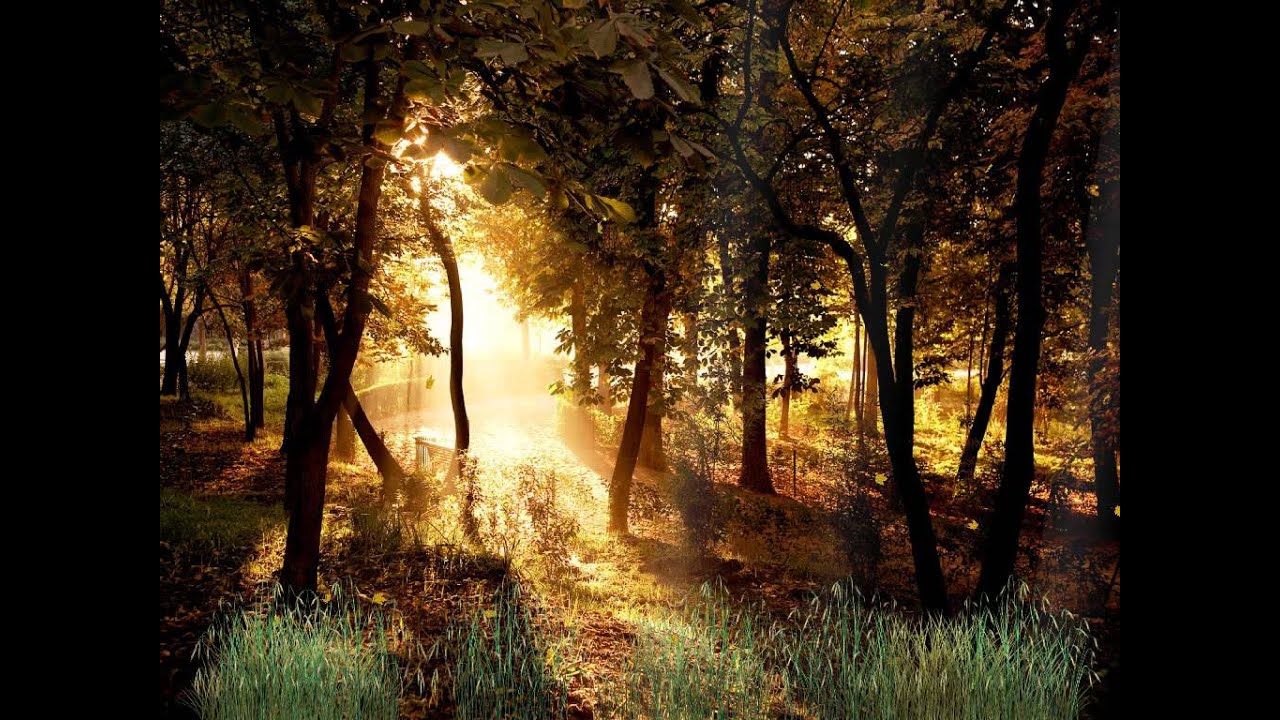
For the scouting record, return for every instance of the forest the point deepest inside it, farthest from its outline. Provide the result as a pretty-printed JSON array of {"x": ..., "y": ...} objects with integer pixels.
[{"x": 671, "y": 360}]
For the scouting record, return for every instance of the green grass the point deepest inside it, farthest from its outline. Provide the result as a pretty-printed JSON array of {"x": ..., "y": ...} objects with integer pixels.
[
  {"x": 214, "y": 523},
  {"x": 706, "y": 660},
  {"x": 1013, "y": 659},
  {"x": 504, "y": 665},
  {"x": 305, "y": 660}
]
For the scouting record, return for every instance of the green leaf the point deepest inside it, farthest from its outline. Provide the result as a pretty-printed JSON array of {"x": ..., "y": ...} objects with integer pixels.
[
  {"x": 388, "y": 133},
  {"x": 521, "y": 146},
  {"x": 211, "y": 115},
  {"x": 308, "y": 104},
  {"x": 248, "y": 121},
  {"x": 411, "y": 27},
  {"x": 414, "y": 151},
  {"x": 682, "y": 147},
  {"x": 618, "y": 210},
  {"x": 496, "y": 186},
  {"x": 278, "y": 92},
  {"x": 687, "y": 92},
  {"x": 457, "y": 149},
  {"x": 416, "y": 69},
  {"x": 528, "y": 180},
  {"x": 423, "y": 90},
  {"x": 511, "y": 53},
  {"x": 688, "y": 12},
  {"x": 354, "y": 53},
  {"x": 639, "y": 81},
  {"x": 602, "y": 38}
]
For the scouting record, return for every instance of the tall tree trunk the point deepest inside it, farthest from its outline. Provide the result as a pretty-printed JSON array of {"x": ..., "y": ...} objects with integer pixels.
[
  {"x": 172, "y": 350},
  {"x": 897, "y": 404},
  {"x": 344, "y": 438},
  {"x": 788, "y": 381},
  {"x": 581, "y": 362},
  {"x": 871, "y": 396},
  {"x": 735, "y": 345},
  {"x": 202, "y": 343},
  {"x": 854, "y": 407},
  {"x": 250, "y": 430},
  {"x": 991, "y": 379},
  {"x": 603, "y": 389},
  {"x": 307, "y": 461},
  {"x": 253, "y": 350},
  {"x": 524, "y": 339},
  {"x": 1104, "y": 265},
  {"x": 755, "y": 459},
  {"x": 651, "y": 328},
  {"x": 651, "y": 454},
  {"x": 690, "y": 349},
  {"x": 390, "y": 470},
  {"x": 1001, "y": 550},
  {"x": 461, "y": 423},
  {"x": 184, "y": 384},
  {"x": 307, "y": 453}
]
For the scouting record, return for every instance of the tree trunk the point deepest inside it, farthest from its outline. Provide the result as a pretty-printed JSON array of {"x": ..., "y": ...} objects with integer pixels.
[
  {"x": 1104, "y": 265},
  {"x": 690, "y": 350},
  {"x": 461, "y": 423},
  {"x": 788, "y": 380},
  {"x": 253, "y": 350},
  {"x": 603, "y": 389},
  {"x": 735, "y": 345},
  {"x": 344, "y": 443},
  {"x": 651, "y": 328},
  {"x": 991, "y": 380},
  {"x": 755, "y": 460},
  {"x": 853, "y": 409},
  {"x": 307, "y": 452},
  {"x": 306, "y": 471},
  {"x": 1005, "y": 526},
  {"x": 524, "y": 339},
  {"x": 184, "y": 385},
  {"x": 390, "y": 470},
  {"x": 871, "y": 396},
  {"x": 652, "y": 454},
  {"x": 172, "y": 350},
  {"x": 250, "y": 430}
]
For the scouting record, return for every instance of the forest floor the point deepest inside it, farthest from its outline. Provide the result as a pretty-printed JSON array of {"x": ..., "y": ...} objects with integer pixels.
[{"x": 222, "y": 536}]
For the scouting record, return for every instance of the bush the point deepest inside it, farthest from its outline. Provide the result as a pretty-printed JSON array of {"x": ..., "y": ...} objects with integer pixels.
[
  {"x": 213, "y": 374},
  {"x": 306, "y": 659},
  {"x": 504, "y": 665},
  {"x": 695, "y": 497},
  {"x": 704, "y": 661},
  {"x": 1011, "y": 659}
]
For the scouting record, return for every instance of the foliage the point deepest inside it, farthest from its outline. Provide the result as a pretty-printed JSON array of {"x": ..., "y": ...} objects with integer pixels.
[
  {"x": 706, "y": 659},
  {"x": 1011, "y": 659},
  {"x": 308, "y": 658},
  {"x": 503, "y": 663}
]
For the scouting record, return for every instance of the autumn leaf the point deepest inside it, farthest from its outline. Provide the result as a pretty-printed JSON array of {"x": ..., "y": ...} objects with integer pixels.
[
  {"x": 973, "y": 525},
  {"x": 379, "y": 598}
]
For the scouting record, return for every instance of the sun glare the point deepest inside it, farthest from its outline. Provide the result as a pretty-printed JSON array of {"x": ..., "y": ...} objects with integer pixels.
[{"x": 443, "y": 167}]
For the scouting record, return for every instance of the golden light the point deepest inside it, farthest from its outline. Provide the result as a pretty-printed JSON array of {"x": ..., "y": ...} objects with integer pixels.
[{"x": 442, "y": 167}]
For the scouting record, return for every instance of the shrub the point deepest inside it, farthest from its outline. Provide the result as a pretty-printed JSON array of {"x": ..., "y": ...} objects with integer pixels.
[
  {"x": 304, "y": 659},
  {"x": 215, "y": 373}
]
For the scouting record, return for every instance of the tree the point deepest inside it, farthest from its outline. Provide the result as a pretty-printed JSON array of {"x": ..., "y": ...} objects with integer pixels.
[{"x": 1064, "y": 59}]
